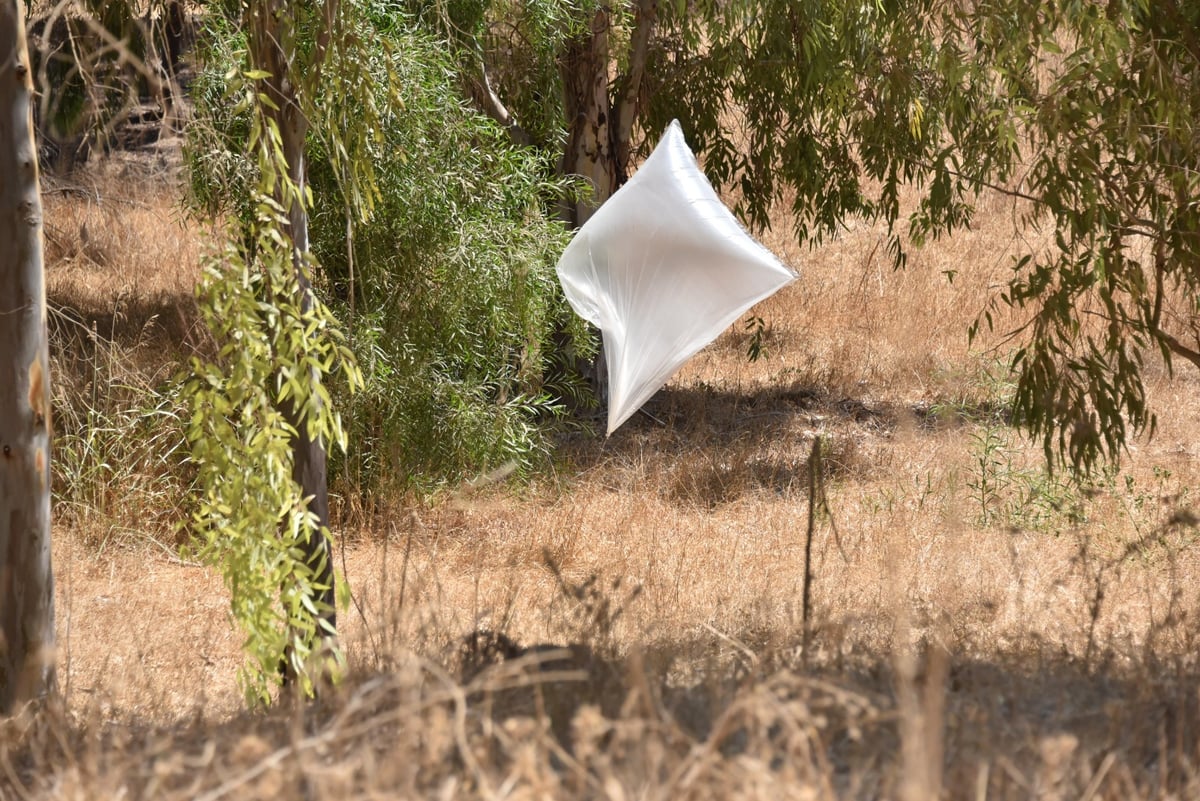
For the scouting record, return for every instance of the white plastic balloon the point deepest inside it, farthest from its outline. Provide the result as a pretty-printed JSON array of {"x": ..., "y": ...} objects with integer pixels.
[{"x": 662, "y": 269}]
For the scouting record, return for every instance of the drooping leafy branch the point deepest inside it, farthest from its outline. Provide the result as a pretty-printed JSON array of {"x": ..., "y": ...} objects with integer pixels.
[
  {"x": 262, "y": 414},
  {"x": 1108, "y": 108}
]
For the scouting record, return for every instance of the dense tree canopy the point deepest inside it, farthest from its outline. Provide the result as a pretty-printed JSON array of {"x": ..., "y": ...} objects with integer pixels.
[
  {"x": 451, "y": 284},
  {"x": 1084, "y": 112}
]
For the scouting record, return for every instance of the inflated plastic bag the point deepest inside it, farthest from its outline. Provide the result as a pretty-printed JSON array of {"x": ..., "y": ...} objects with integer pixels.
[{"x": 662, "y": 269}]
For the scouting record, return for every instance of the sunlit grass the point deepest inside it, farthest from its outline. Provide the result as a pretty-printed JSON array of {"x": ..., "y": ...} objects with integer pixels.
[{"x": 632, "y": 617}]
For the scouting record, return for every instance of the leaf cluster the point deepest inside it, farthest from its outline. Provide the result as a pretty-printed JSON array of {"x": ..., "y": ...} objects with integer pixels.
[
  {"x": 251, "y": 520},
  {"x": 280, "y": 346},
  {"x": 456, "y": 304}
]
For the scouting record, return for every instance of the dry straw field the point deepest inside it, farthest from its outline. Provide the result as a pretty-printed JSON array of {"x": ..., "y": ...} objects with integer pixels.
[{"x": 630, "y": 624}]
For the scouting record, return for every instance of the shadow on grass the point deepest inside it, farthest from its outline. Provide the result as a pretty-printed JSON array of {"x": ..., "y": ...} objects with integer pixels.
[
  {"x": 564, "y": 722},
  {"x": 714, "y": 445}
]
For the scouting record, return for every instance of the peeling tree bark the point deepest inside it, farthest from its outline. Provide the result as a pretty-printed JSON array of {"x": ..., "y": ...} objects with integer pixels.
[
  {"x": 630, "y": 84},
  {"x": 583, "y": 66},
  {"x": 601, "y": 112},
  {"x": 600, "y": 115},
  {"x": 26, "y": 580}
]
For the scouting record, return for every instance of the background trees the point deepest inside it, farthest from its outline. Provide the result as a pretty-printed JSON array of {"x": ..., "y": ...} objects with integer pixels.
[
  {"x": 1103, "y": 101},
  {"x": 1082, "y": 113}
]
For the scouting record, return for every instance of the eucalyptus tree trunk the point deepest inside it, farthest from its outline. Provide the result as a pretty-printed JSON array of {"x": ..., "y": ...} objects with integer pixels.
[
  {"x": 629, "y": 87},
  {"x": 26, "y": 581},
  {"x": 600, "y": 113},
  {"x": 589, "y": 153},
  {"x": 309, "y": 467}
]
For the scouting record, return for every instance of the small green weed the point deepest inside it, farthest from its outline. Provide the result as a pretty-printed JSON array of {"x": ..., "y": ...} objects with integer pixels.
[{"x": 1006, "y": 490}]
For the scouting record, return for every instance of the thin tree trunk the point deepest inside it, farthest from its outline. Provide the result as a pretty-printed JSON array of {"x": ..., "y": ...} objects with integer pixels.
[
  {"x": 309, "y": 467},
  {"x": 645, "y": 18},
  {"x": 26, "y": 580},
  {"x": 584, "y": 68}
]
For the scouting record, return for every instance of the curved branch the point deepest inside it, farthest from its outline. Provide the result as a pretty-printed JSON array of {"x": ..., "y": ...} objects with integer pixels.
[
  {"x": 1177, "y": 347},
  {"x": 491, "y": 104},
  {"x": 627, "y": 105}
]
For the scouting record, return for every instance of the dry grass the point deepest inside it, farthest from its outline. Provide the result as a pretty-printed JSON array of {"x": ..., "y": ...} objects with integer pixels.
[
  {"x": 978, "y": 631},
  {"x": 122, "y": 258},
  {"x": 121, "y": 266}
]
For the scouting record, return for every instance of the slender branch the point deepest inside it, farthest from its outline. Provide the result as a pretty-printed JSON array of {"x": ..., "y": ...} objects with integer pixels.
[
  {"x": 1170, "y": 8},
  {"x": 645, "y": 18},
  {"x": 486, "y": 97},
  {"x": 815, "y": 478},
  {"x": 120, "y": 47},
  {"x": 1173, "y": 343},
  {"x": 324, "y": 36},
  {"x": 1159, "y": 269},
  {"x": 1134, "y": 227},
  {"x": 1178, "y": 348}
]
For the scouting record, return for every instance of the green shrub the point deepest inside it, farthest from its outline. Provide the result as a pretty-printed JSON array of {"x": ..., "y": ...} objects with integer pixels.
[
  {"x": 449, "y": 290},
  {"x": 455, "y": 297}
]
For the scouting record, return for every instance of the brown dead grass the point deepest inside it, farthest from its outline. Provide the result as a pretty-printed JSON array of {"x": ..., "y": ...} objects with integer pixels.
[
  {"x": 1047, "y": 652},
  {"x": 122, "y": 258},
  {"x": 122, "y": 261}
]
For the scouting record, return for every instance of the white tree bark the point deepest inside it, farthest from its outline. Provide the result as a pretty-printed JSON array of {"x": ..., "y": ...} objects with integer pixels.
[
  {"x": 27, "y": 656},
  {"x": 584, "y": 68}
]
